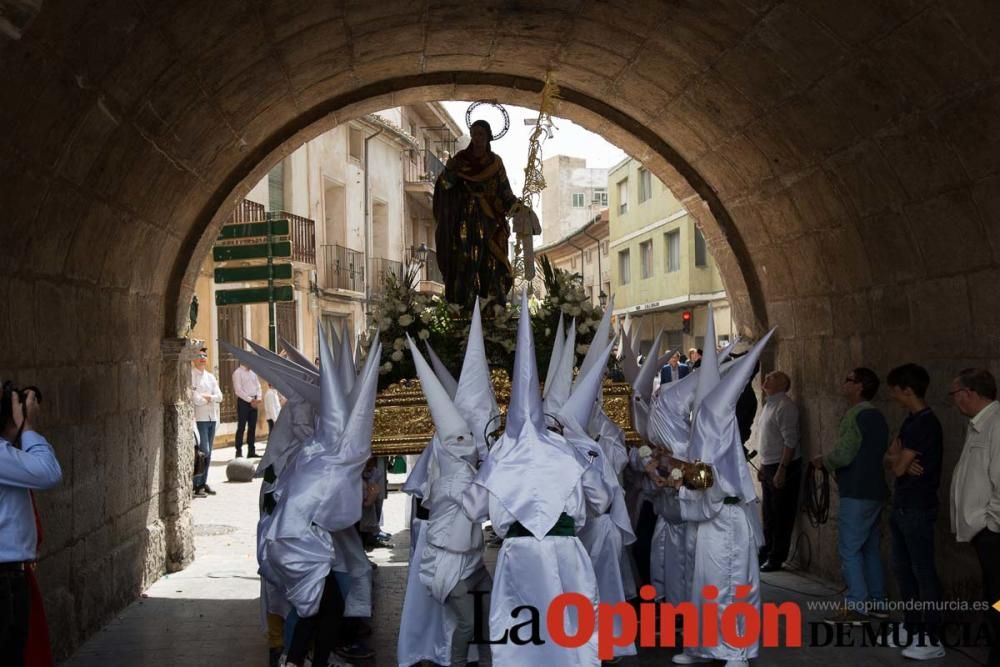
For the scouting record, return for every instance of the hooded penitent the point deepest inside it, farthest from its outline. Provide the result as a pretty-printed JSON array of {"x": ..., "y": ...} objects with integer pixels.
[
  {"x": 642, "y": 388},
  {"x": 535, "y": 471},
  {"x": 320, "y": 492},
  {"x": 474, "y": 396},
  {"x": 296, "y": 355},
  {"x": 557, "y": 391},
  {"x": 444, "y": 376},
  {"x": 554, "y": 358},
  {"x": 715, "y": 434}
]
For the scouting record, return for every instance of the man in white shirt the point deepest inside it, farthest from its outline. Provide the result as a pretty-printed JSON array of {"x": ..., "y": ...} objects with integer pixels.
[
  {"x": 780, "y": 469},
  {"x": 246, "y": 386},
  {"x": 205, "y": 397},
  {"x": 975, "y": 483},
  {"x": 273, "y": 402}
]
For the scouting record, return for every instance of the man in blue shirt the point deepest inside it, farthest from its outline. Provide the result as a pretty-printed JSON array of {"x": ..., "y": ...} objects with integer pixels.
[
  {"x": 673, "y": 369},
  {"x": 26, "y": 462}
]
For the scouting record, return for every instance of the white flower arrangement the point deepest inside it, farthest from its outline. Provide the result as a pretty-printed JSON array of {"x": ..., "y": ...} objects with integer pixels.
[
  {"x": 385, "y": 368},
  {"x": 405, "y": 320},
  {"x": 423, "y": 334},
  {"x": 676, "y": 474},
  {"x": 645, "y": 452},
  {"x": 398, "y": 344},
  {"x": 396, "y": 355}
]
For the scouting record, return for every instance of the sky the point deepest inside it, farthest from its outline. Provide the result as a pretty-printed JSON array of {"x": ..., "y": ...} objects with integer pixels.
[{"x": 569, "y": 139}]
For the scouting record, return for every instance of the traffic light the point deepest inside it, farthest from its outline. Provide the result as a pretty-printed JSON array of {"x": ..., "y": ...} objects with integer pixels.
[{"x": 686, "y": 320}]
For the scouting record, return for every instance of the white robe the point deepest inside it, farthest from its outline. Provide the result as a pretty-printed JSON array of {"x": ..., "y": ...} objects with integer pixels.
[
  {"x": 725, "y": 556},
  {"x": 531, "y": 571},
  {"x": 668, "y": 560}
]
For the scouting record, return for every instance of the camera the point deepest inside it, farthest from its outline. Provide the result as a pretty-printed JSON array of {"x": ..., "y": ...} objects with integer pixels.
[{"x": 7, "y": 402}]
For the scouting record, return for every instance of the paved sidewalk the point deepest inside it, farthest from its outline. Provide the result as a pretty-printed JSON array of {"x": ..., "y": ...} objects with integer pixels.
[{"x": 208, "y": 614}]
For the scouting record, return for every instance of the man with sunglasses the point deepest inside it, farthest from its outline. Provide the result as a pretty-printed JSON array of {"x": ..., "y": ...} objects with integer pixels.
[
  {"x": 205, "y": 397},
  {"x": 856, "y": 461},
  {"x": 975, "y": 484}
]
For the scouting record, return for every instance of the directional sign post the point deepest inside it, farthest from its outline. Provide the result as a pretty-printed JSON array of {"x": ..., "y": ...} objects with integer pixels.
[{"x": 254, "y": 241}]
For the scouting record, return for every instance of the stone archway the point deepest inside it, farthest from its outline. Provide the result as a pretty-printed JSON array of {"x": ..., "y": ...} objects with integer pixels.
[{"x": 845, "y": 155}]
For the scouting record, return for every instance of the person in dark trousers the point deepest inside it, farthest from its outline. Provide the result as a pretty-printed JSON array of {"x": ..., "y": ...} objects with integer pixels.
[
  {"x": 780, "y": 469},
  {"x": 975, "y": 484},
  {"x": 246, "y": 386},
  {"x": 914, "y": 460},
  {"x": 856, "y": 461}
]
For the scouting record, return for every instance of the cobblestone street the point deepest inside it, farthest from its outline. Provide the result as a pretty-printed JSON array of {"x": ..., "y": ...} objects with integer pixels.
[{"x": 208, "y": 614}]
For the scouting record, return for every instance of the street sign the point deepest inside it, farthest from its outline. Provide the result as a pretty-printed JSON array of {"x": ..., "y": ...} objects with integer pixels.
[
  {"x": 243, "y": 230},
  {"x": 238, "y": 274},
  {"x": 253, "y": 295},
  {"x": 255, "y": 251}
]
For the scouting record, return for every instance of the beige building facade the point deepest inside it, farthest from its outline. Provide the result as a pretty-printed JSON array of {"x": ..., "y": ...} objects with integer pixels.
[
  {"x": 358, "y": 199},
  {"x": 659, "y": 263},
  {"x": 574, "y": 195},
  {"x": 585, "y": 251}
]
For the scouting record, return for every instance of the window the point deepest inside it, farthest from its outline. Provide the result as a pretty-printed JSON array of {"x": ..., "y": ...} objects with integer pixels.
[
  {"x": 588, "y": 257},
  {"x": 604, "y": 248},
  {"x": 673, "y": 241},
  {"x": 624, "y": 270},
  {"x": 356, "y": 144},
  {"x": 646, "y": 259},
  {"x": 578, "y": 200},
  {"x": 572, "y": 262},
  {"x": 622, "y": 196},
  {"x": 645, "y": 185},
  {"x": 599, "y": 197},
  {"x": 700, "y": 251}
]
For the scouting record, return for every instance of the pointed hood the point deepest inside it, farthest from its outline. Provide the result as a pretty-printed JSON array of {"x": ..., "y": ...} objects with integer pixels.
[
  {"x": 452, "y": 430},
  {"x": 630, "y": 361},
  {"x": 562, "y": 379},
  {"x": 600, "y": 339},
  {"x": 296, "y": 355},
  {"x": 333, "y": 403},
  {"x": 556, "y": 357},
  {"x": 306, "y": 372},
  {"x": 334, "y": 340},
  {"x": 525, "y": 397},
  {"x": 726, "y": 352},
  {"x": 637, "y": 340},
  {"x": 442, "y": 372},
  {"x": 715, "y": 435},
  {"x": 708, "y": 372},
  {"x": 347, "y": 373},
  {"x": 579, "y": 407},
  {"x": 287, "y": 381},
  {"x": 356, "y": 438},
  {"x": 475, "y": 399},
  {"x": 643, "y": 385},
  {"x": 670, "y": 417}
]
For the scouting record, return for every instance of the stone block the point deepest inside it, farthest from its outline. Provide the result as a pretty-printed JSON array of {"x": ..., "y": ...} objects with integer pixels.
[
  {"x": 851, "y": 314},
  {"x": 986, "y": 195},
  {"x": 941, "y": 316},
  {"x": 984, "y": 298},
  {"x": 950, "y": 234},
  {"x": 846, "y": 258},
  {"x": 808, "y": 266},
  {"x": 893, "y": 256},
  {"x": 776, "y": 278},
  {"x": 925, "y": 163}
]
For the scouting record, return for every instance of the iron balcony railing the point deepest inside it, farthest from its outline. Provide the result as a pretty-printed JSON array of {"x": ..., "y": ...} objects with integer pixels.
[
  {"x": 343, "y": 268},
  {"x": 303, "y": 235},
  {"x": 423, "y": 166},
  {"x": 380, "y": 269},
  {"x": 248, "y": 211}
]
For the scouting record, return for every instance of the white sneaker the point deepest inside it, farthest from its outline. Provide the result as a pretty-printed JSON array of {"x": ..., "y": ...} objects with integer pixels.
[
  {"x": 927, "y": 652},
  {"x": 737, "y": 663},
  {"x": 688, "y": 659}
]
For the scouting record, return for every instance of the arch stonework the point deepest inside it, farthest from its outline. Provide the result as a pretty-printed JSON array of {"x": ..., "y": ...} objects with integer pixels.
[{"x": 841, "y": 158}]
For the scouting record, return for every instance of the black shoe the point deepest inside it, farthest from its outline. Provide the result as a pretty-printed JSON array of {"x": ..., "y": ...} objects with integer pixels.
[
  {"x": 253, "y": 455},
  {"x": 356, "y": 651},
  {"x": 207, "y": 489},
  {"x": 239, "y": 453},
  {"x": 200, "y": 492},
  {"x": 274, "y": 657},
  {"x": 770, "y": 566}
]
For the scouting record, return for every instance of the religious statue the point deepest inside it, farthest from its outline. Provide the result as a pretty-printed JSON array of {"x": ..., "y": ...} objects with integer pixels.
[{"x": 472, "y": 201}]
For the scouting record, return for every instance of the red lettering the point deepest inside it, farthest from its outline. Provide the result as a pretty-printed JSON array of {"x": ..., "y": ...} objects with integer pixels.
[
  {"x": 668, "y": 624},
  {"x": 732, "y": 633},
  {"x": 556, "y": 614},
  {"x": 709, "y": 618},
  {"x": 793, "y": 624},
  {"x": 607, "y": 640},
  {"x": 647, "y": 617}
]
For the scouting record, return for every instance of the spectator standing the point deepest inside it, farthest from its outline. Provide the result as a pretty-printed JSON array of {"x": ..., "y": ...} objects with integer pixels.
[
  {"x": 694, "y": 358},
  {"x": 914, "y": 460},
  {"x": 27, "y": 463},
  {"x": 205, "y": 397},
  {"x": 273, "y": 402},
  {"x": 975, "y": 484},
  {"x": 673, "y": 369},
  {"x": 856, "y": 460},
  {"x": 780, "y": 470},
  {"x": 248, "y": 393}
]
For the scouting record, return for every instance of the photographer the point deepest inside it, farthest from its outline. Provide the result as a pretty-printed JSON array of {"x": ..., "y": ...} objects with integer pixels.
[{"x": 26, "y": 462}]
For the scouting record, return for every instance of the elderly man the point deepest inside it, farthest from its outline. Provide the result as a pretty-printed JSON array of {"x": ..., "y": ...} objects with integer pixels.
[
  {"x": 975, "y": 483},
  {"x": 780, "y": 473}
]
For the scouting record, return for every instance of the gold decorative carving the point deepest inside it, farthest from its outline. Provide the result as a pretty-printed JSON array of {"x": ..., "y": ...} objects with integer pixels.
[{"x": 403, "y": 423}]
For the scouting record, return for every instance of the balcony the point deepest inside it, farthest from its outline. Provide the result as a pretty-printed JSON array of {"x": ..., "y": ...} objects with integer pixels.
[
  {"x": 430, "y": 280},
  {"x": 302, "y": 232},
  {"x": 379, "y": 269},
  {"x": 421, "y": 170},
  {"x": 343, "y": 268}
]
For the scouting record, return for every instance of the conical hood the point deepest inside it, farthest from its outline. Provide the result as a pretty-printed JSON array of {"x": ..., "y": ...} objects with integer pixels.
[
  {"x": 287, "y": 381},
  {"x": 266, "y": 354},
  {"x": 637, "y": 340},
  {"x": 643, "y": 385},
  {"x": 296, "y": 355},
  {"x": 670, "y": 417},
  {"x": 475, "y": 399},
  {"x": 580, "y": 405},
  {"x": 630, "y": 361},
  {"x": 448, "y": 421},
  {"x": 562, "y": 379},
  {"x": 356, "y": 440},
  {"x": 346, "y": 371},
  {"x": 373, "y": 358},
  {"x": 727, "y": 351},
  {"x": 715, "y": 437},
  {"x": 442, "y": 372},
  {"x": 333, "y": 403},
  {"x": 600, "y": 339},
  {"x": 334, "y": 340},
  {"x": 708, "y": 375},
  {"x": 525, "y": 397},
  {"x": 556, "y": 358}
]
